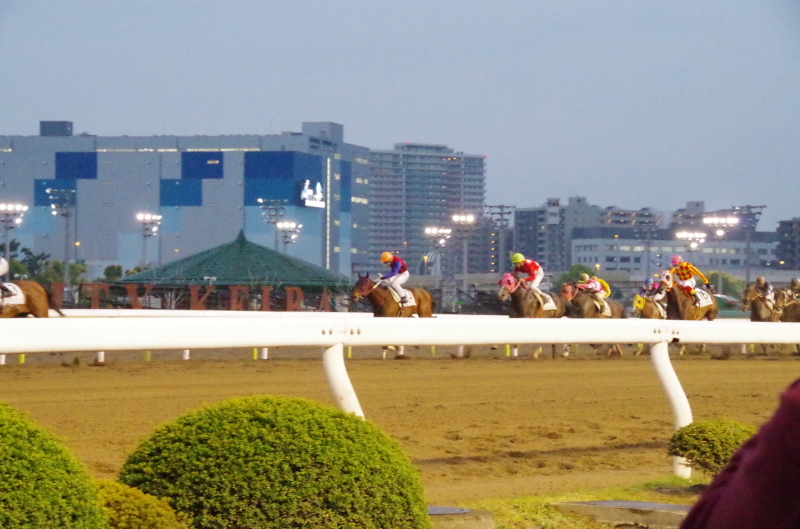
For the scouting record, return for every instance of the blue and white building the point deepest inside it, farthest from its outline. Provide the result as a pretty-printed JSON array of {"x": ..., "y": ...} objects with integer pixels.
[{"x": 206, "y": 189}]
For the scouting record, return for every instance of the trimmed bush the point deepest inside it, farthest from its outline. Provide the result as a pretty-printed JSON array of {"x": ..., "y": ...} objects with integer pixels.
[
  {"x": 269, "y": 462},
  {"x": 41, "y": 484},
  {"x": 129, "y": 508},
  {"x": 708, "y": 445}
]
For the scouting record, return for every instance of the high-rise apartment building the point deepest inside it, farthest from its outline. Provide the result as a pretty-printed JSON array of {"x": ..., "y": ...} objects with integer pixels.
[
  {"x": 206, "y": 189},
  {"x": 417, "y": 186},
  {"x": 545, "y": 233}
]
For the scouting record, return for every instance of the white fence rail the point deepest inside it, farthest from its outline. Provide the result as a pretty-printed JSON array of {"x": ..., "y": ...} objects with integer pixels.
[{"x": 119, "y": 330}]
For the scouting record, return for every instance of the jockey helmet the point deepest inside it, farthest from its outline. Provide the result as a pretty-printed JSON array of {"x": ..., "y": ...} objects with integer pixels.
[
  {"x": 648, "y": 281},
  {"x": 517, "y": 258},
  {"x": 760, "y": 280},
  {"x": 795, "y": 282},
  {"x": 386, "y": 257},
  {"x": 584, "y": 278},
  {"x": 676, "y": 260}
]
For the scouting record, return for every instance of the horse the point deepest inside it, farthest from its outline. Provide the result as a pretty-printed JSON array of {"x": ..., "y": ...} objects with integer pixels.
[
  {"x": 680, "y": 304},
  {"x": 525, "y": 303},
  {"x": 788, "y": 305},
  {"x": 647, "y": 308},
  {"x": 384, "y": 305},
  {"x": 37, "y": 302},
  {"x": 585, "y": 307},
  {"x": 759, "y": 306}
]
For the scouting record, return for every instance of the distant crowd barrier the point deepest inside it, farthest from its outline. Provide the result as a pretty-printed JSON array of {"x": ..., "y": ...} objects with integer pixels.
[
  {"x": 117, "y": 330},
  {"x": 237, "y": 297}
]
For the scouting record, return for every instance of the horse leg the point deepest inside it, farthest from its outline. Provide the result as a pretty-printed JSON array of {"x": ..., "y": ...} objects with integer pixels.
[{"x": 537, "y": 352}]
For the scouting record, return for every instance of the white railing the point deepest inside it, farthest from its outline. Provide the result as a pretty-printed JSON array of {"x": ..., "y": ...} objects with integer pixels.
[{"x": 107, "y": 331}]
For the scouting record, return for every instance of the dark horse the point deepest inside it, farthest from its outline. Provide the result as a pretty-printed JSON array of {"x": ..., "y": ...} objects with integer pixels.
[
  {"x": 384, "y": 305},
  {"x": 585, "y": 307},
  {"x": 526, "y": 304},
  {"x": 759, "y": 306},
  {"x": 680, "y": 304},
  {"x": 37, "y": 303}
]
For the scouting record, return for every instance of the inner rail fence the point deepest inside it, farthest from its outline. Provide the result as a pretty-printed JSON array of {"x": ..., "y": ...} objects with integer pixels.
[{"x": 118, "y": 330}]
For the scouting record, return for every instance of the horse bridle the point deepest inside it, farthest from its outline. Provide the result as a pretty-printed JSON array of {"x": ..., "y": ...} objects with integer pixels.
[{"x": 368, "y": 292}]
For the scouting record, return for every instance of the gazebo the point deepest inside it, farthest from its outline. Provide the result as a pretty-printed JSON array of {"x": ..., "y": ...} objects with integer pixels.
[{"x": 237, "y": 276}]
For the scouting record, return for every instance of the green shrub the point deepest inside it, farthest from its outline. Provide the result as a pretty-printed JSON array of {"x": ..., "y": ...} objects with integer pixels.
[
  {"x": 129, "y": 508},
  {"x": 269, "y": 462},
  {"x": 41, "y": 484},
  {"x": 708, "y": 445}
]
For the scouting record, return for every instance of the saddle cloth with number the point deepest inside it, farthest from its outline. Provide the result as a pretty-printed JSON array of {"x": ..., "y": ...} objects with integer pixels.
[
  {"x": 410, "y": 301},
  {"x": 703, "y": 298},
  {"x": 549, "y": 304},
  {"x": 17, "y": 297}
]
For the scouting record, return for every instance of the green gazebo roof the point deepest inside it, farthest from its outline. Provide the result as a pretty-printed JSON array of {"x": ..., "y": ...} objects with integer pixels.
[{"x": 240, "y": 262}]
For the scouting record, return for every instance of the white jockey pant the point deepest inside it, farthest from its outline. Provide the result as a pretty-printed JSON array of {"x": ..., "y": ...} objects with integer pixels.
[
  {"x": 396, "y": 282},
  {"x": 687, "y": 282},
  {"x": 3, "y": 266},
  {"x": 534, "y": 284}
]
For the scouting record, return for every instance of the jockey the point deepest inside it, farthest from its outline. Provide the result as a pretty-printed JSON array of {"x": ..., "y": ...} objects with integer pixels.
[
  {"x": 649, "y": 288},
  {"x": 593, "y": 286},
  {"x": 684, "y": 272},
  {"x": 764, "y": 289},
  {"x": 530, "y": 267},
  {"x": 603, "y": 284},
  {"x": 397, "y": 275},
  {"x": 794, "y": 287}
]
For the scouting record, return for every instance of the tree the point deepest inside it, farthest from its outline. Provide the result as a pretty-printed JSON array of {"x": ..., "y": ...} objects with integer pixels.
[
  {"x": 573, "y": 274},
  {"x": 136, "y": 270},
  {"x": 53, "y": 272},
  {"x": 34, "y": 263},
  {"x": 112, "y": 273},
  {"x": 731, "y": 286}
]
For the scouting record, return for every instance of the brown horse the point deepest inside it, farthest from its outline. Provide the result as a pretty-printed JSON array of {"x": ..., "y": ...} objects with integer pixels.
[
  {"x": 585, "y": 307},
  {"x": 584, "y": 304},
  {"x": 680, "y": 304},
  {"x": 526, "y": 304},
  {"x": 384, "y": 305},
  {"x": 788, "y": 305},
  {"x": 37, "y": 303},
  {"x": 759, "y": 306},
  {"x": 645, "y": 307}
]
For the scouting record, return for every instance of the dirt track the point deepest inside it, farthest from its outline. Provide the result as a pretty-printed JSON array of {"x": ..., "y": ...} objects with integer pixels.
[{"x": 483, "y": 427}]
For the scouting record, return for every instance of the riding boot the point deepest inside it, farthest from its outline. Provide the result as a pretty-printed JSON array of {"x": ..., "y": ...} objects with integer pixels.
[{"x": 4, "y": 291}]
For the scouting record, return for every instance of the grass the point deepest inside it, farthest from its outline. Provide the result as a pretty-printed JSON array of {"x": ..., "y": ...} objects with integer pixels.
[{"x": 537, "y": 512}]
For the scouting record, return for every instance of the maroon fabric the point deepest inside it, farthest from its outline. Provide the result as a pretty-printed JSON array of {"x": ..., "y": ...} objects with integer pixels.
[{"x": 760, "y": 487}]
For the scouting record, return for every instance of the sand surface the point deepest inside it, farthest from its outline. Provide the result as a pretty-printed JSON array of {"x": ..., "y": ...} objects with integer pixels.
[{"x": 488, "y": 426}]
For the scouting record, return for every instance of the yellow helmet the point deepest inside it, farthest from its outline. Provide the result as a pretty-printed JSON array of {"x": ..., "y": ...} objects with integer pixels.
[
  {"x": 386, "y": 257},
  {"x": 517, "y": 258},
  {"x": 584, "y": 278}
]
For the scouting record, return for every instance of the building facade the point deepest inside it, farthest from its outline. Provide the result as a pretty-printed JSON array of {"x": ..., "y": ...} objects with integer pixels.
[
  {"x": 545, "y": 233},
  {"x": 417, "y": 186},
  {"x": 788, "y": 251},
  {"x": 206, "y": 189}
]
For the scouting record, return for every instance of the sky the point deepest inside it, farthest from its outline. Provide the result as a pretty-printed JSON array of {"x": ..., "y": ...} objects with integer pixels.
[{"x": 629, "y": 103}]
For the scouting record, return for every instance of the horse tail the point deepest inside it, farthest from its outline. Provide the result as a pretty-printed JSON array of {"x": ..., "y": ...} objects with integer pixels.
[{"x": 51, "y": 301}]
